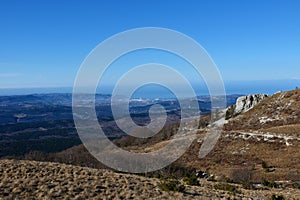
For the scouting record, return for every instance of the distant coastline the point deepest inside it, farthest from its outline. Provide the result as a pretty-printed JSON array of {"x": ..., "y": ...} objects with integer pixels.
[{"x": 232, "y": 87}]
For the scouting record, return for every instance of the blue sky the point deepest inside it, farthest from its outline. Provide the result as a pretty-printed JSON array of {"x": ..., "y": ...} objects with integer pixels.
[{"x": 43, "y": 43}]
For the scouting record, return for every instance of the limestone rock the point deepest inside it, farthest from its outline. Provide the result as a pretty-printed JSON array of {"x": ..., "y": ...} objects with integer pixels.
[{"x": 245, "y": 103}]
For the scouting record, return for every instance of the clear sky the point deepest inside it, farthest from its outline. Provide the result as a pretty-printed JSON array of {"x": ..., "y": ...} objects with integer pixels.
[{"x": 42, "y": 43}]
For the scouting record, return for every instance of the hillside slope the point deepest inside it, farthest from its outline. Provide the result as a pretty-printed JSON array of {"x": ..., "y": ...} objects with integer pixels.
[
  {"x": 280, "y": 109},
  {"x": 44, "y": 180},
  {"x": 256, "y": 147},
  {"x": 263, "y": 141}
]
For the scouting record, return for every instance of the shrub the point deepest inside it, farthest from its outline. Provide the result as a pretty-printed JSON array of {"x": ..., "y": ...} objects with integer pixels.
[
  {"x": 212, "y": 178},
  {"x": 270, "y": 184},
  {"x": 191, "y": 178},
  {"x": 296, "y": 185},
  {"x": 276, "y": 197},
  {"x": 248, "y": 186},
  {"x": 226, "y": 187},
  {"x": 241, "y": 174},
  {"x": 230, "y": 112},
  {"x": 264, "y": 165},
  {"x": 169, "y": 184}
]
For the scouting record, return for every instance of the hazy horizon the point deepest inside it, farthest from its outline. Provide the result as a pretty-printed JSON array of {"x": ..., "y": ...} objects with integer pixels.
[{"x": 232, "y": 87}]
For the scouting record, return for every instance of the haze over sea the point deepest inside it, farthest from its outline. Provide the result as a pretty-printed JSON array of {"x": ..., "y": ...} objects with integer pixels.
[{"x": 232, "y": 87}]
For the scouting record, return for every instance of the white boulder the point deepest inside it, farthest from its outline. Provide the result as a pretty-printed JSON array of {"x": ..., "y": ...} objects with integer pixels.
[{"x": 245, "y": 103}]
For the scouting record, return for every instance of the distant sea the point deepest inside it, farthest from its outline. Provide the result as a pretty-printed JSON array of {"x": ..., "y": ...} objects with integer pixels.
[{"x": 232, "y": 87}]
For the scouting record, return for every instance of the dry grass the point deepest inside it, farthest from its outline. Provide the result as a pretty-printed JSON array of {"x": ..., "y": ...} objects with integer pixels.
[
  {"x": 42, "y": 180},
  {"x": 291, "y": 130},
  {"x": 277, "y": 110}
]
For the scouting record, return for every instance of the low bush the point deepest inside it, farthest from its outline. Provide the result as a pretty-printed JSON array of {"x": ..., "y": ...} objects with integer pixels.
[
  {"x": 230, "y": 112},
  {"x": 248, "y": 186},
  {"x": 226, "y": 187},
  {"x": 276, "y": 197},
  {"x": 212, "y": 178},
  {"x": 270, "y": 184},
  {"x": 241, "y": 174},
  {"x": 191, "y": 179},
  {"x": 266, "y": 167},
  {"x": 169, "y": 184}
]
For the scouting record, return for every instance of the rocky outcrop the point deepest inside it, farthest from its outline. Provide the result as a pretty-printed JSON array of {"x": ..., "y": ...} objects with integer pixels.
[
  {"x": 278, "y": 110},
  {"x": 245, "y": 103}
]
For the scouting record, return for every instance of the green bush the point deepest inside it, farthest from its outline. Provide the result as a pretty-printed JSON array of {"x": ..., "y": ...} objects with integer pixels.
[
  {"x": 270, "y": 184},
  {"x": 171, "y": 185},
  {"x": 264, "y": 165},
  {"x": 296, "y": 185},
  {"x": 276, "y": 197},
  {"x": 212, "y": 178},
  {"x": 226, "y": 187},
  {"x": 191, "y": 179},
  {"x": 230, "y": 112}
]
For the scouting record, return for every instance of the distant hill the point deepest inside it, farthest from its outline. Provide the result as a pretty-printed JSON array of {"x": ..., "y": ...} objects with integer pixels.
[{"x": 58, "y": 106}]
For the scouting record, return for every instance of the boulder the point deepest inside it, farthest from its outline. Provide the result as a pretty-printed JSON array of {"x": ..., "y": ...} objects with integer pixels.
[{"x": 245, "y": 103}]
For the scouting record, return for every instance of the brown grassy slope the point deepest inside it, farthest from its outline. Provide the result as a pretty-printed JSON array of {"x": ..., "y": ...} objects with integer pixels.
[
  {"x": 44, "y": 180},
  {"x": 291, "y": 129},
  {"x": 232, "y": 153},
  {"x": 277, "y": 110},
  {"x": 278, "y": 115}
]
